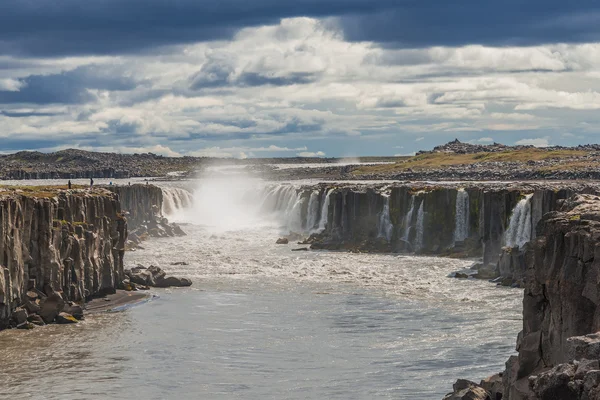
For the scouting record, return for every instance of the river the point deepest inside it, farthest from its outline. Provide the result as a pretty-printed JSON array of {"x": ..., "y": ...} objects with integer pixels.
[{"x": 263, "y": 322}]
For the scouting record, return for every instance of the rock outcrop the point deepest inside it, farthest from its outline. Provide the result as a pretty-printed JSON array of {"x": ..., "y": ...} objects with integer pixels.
[
  {"x": 561, "y": 303},
  {"x": 491, "y": 221},
  {"x": 69, "y": 243},
  {"x": 142, "y": 205}
]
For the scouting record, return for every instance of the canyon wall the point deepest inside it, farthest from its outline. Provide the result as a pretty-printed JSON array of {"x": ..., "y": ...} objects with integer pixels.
[
  {"x": 51, "y": 240},
  {"x": 491, "y": 221},
  {"x": 561, "y": 301}
]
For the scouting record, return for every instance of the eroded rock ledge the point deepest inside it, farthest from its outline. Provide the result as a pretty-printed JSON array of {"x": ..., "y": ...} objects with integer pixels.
[
  {"x": 71, "y": 242},
  {"x": 559, "y": 347},
  {"x": 68, "y": 245}
]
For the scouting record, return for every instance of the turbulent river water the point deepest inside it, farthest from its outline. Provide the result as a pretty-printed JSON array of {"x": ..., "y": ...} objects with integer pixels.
[{"x": 263, "y": 322}]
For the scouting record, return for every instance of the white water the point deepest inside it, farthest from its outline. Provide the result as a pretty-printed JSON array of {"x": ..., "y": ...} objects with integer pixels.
[
  {"x": 325, "y": 210},
  {"x": 385, "y": 223},
  {"x": 408, "y": 220},
  {"x": 263, "y": 322},
  {"x": 175, "y": 200},
  {"x": 312, "y": 217},
  {"x": 420, "y": 227},
  {"x": 461, "y": 230},
  {"x": 519, "y": 227}
]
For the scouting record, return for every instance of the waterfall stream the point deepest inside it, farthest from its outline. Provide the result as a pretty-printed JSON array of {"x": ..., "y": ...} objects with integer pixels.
[
  {"x": 461, "y": 230},
  {"x": 175, "y": 200},
  {"x": 420, "y": 227},
  {"x": 519, "y": 227},
  {"x": 324, "y": 210},
  {"x": 408, "y": 220},
  {"x": 312, "y": 217},
  {"x": 385, "y": 223}
]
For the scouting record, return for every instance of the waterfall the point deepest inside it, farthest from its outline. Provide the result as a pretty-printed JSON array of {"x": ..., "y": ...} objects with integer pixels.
[
  {"x": 420, "y": 227},
  {"x": 324, "y": 210},
  {"x": 293, "y": 213},
  {"x": 408, "y": 220},
  {"x": 385, "y": 223},
  {"x": 461, "y": 229},
  {"x": 519, "y": 227},
  {"x": 312, "y": 212},
  {"x": 175, "y": 200}
]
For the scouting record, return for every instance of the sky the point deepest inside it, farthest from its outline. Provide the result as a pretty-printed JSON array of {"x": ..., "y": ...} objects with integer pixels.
[{"x": 273, "y": 78}]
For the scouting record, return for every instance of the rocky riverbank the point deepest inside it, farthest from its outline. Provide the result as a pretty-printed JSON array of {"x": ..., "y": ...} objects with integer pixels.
[
  {"x": 559, "y": 347},
  {"x": 55, "y": 243},
  {"x": 61, "y": 247}
]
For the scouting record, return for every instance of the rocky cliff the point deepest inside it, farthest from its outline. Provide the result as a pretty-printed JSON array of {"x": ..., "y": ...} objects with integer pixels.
[
  {"x": 561, "y": 302},
  {"x": 59, "y": 241},
  {"x": 143, "y": 207},
  {"x": 491, "y": 221}
]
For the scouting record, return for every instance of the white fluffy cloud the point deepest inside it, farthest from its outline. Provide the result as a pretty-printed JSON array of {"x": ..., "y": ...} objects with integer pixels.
[{"x": 299, "y": 81}]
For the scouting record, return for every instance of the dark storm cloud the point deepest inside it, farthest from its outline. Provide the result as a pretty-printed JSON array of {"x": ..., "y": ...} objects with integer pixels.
[
  {"x": 256, "y": 79},
  {"x": 69, "y": 87},
  {"x": 220, "y": 73},
  {"x": 26, "y": 114},
  {"x": 51, "y": 28}
]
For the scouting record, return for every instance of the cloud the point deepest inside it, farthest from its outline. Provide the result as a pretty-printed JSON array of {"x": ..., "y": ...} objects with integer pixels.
[
  {"x": 537, "y": 142},
  {"x": 419, "y": 139},
  {"x": 485, "y": 140},
  {"x": 69, "y": 87},
  {"x": 51, "y": 28},
  {"x": 299, "y": 85},
  {"x": 311, "y": 154}
]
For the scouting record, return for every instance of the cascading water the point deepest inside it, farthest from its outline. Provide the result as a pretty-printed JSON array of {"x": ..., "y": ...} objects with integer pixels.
[
  {"x": 519, "y": 227},
  {"x": 461, "y": 230},
  {"x": 420, "y": 227},
  {"x": 324, "y": 211},
  {"x": 385, "y": 223},
  {"x": 408, "y": 220},
  {"x": 312, "y": 212},
  {"x": 175, "y": 200}
]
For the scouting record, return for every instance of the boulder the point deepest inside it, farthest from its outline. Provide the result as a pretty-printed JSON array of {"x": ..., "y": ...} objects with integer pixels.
[
  {"x": 51, "y": 306},
  {"x": 20, "y": 316},
  {"x": 178, "y": 231},
  {"x": 172, "y": 281},
  {"x": 494, "y": 386},
  {"x": 65, "y": 318},
  {"x": 143, "y": 277},
  {"x": 467, "y": 390},
  {"x": 584, "y": 347},
  {"x": 75, "y": 310},
  {"x": 282, "y": 241},
  {"x": 36, "y": 320},
  {"x": 558, "y": 383},
  {"x": 157, "y": 272},
  {"x": 31, "y": 306}
]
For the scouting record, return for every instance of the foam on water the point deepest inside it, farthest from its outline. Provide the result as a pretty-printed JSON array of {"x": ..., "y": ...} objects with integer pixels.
[{"x": 262, "y": 321}]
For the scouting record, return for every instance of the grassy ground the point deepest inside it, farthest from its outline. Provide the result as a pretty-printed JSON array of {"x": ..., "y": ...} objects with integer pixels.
[
  {"x": 38, "y": 191},
  {"x": 441, "y": 160}
]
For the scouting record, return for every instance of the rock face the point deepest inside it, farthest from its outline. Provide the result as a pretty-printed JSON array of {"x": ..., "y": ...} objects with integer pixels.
[
  {"x": 561, "y": 304},
  {"x": 472, "y": 220},
  {"x": 142, "y": 205},
  {"x": 67, "y": 242}
]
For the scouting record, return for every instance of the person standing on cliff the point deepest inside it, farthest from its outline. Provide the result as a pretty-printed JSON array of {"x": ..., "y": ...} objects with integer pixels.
[
  {"x": 69, "y": 184},
  {"x": 91, "y": 183}
]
